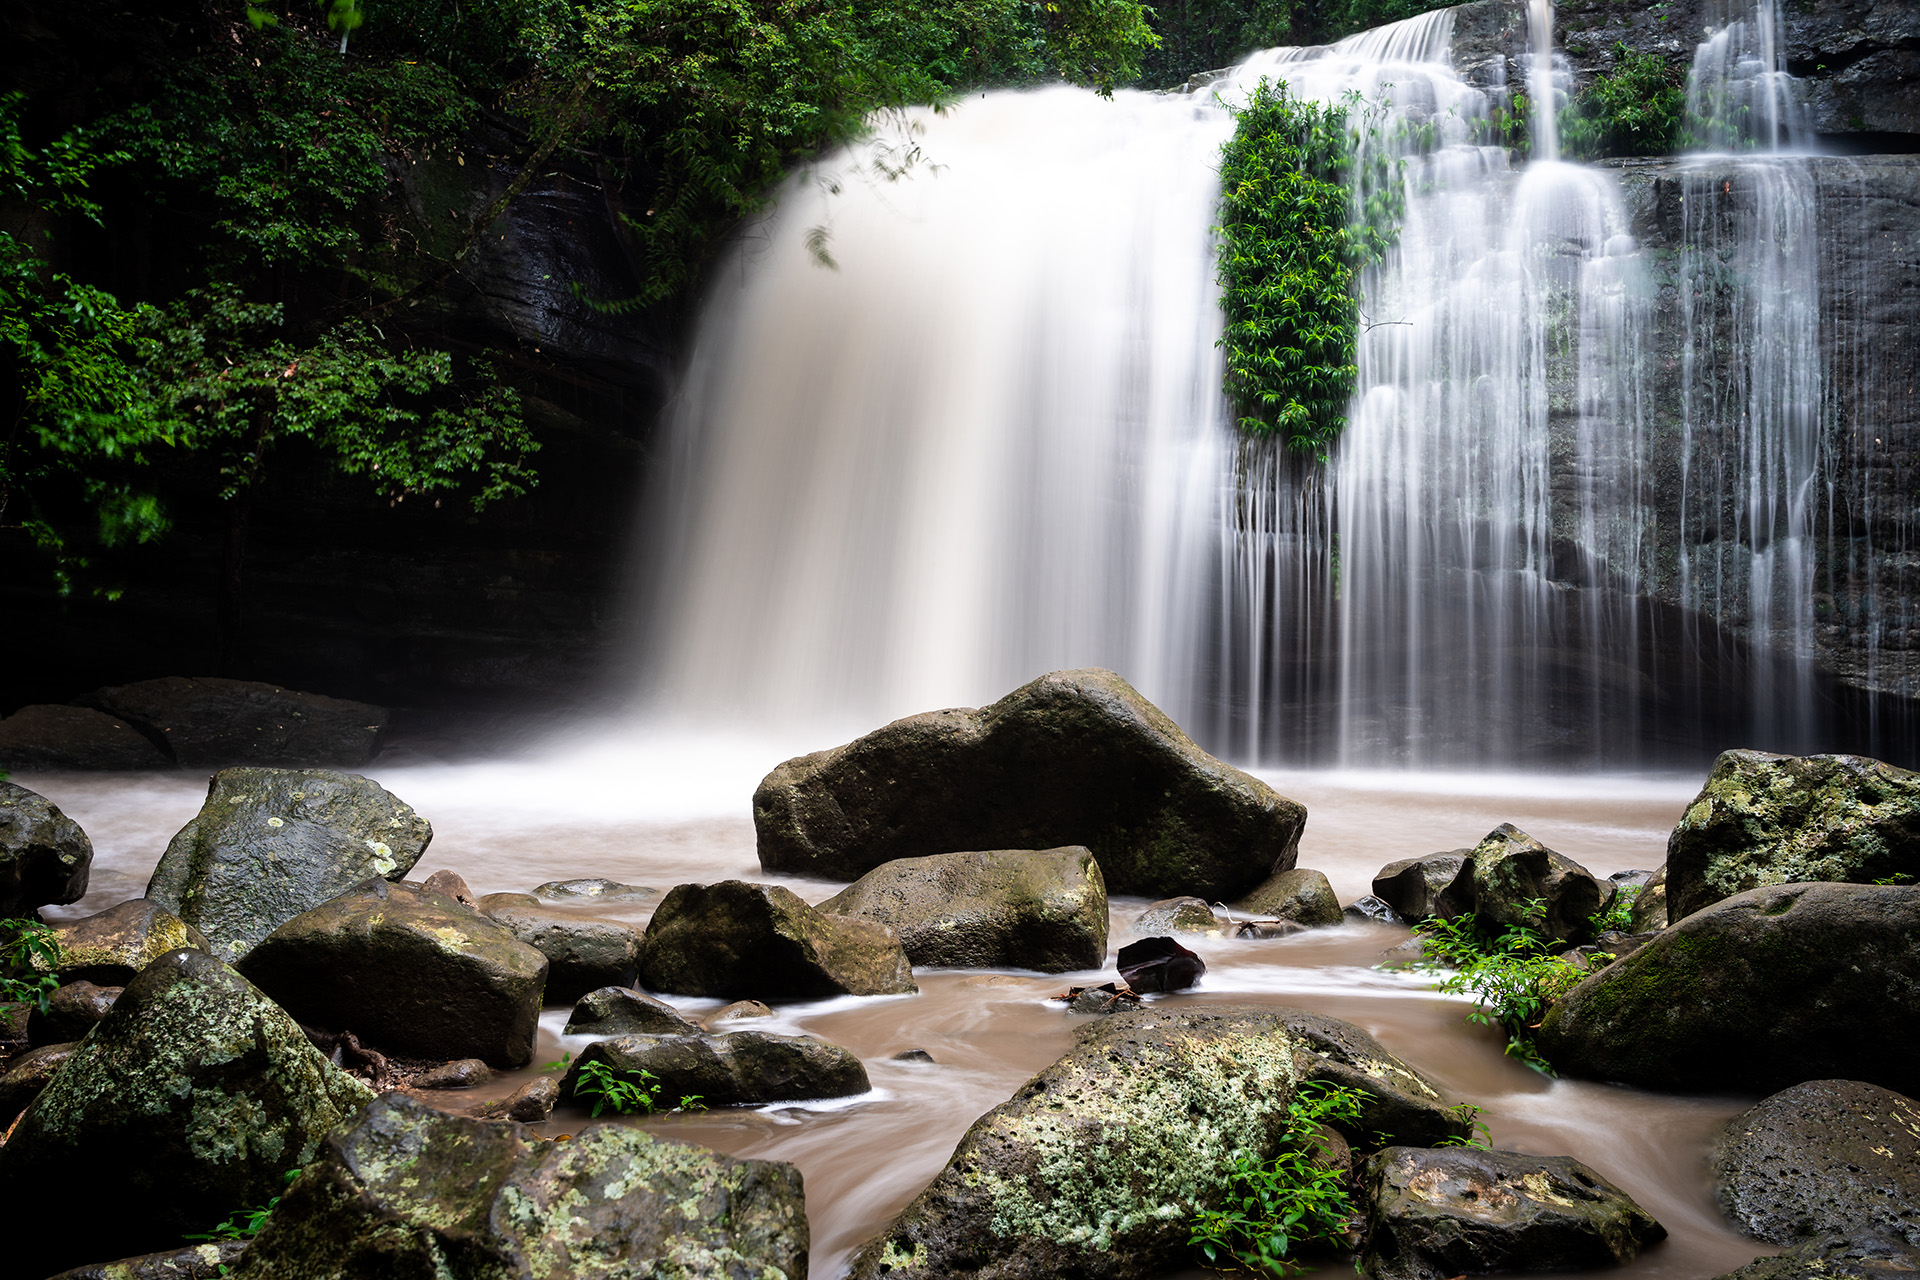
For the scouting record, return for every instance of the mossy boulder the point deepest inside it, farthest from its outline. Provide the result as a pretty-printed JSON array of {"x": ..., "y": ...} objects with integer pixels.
[
  {"x": 1510, "y": 869},
  {"x": 191, "y": 1100},
  {"x": 1095, "y": 1167},
  {"x": 113, "y": 945},
  {"x": 1759, "y": 991},
  {"x": 583, "y": 954},
  {"x": 53, "y": 737},
  {"x": 736, "y": 940},
  {"x": 997, "y": 909},
  {"x": 1455, "y": 1210},
  {"x": 1177, "y": 915},
  {"x": 1073, "y": 758},
  {"x": 410, "y": 972},
  {"x": 739, "y": 1068},
  {"x": 1765, "y": 819},
  {"x": 622, "y": 1011},
  {"x": 269, "y": 844},
  {"x": 44, "y": 855},
  {"x": 1420, "y": 888},
  {"x": 1301, "y": 895},
  {"x": 211, "y": 721},
  {"x": 411, "y": 1191}
]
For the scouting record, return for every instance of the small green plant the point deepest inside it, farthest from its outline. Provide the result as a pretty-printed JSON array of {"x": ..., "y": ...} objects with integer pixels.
[
  {"x": 1478, "y": 1134},
  {"x": 560, "y": 1063},
  {"x": 1512, "y": 976},
  {"x": 29, "y": 953},
  {"x": 245, "y": 1224},
  {"x": 1898, "y": 877},
  {"x": 1637, "y": 109},
  {"x": 1616, "y": 916},
  {"x": 611, "y": 1092},
  {"x": 1274, "y": 1206}
]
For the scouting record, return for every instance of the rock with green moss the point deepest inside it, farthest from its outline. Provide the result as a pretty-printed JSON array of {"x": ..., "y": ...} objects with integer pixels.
[
  {"x": 190, "y": 1262},
  {"x": 1419, "y": 888},
  {"x": 190, "y": 1101},
  {"x": 1438, "y": 1213},
  {"x": 1759, "y": 991},
  {"x": 269, "y": 844},
  {"x": 112, "y": 946},
  {"x": 993, "y": 909},
  {"x": 1096, "y": 1166},
  {"x": 410, "y": 1191},
  {"x": 44, "y": 855},
  {"x": 1300, "y": 895},
  {"x": 1177, "y": 915},
  {"x": 1073, "y": 758},
  {"x": 736, "y": 940},
  {"x": 1766, "y": 819},
  {"x": 409, "y": 971},
  {"x": 1510, "y": 870},
  {"x": 583, "y": 953},
  {"x": 739, "y": 1068}
]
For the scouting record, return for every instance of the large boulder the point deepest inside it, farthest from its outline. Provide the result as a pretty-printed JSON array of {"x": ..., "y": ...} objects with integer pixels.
[
  {"x": 53, "y": 737},
  {"x": 622, "y": 1011},
  {"x": 271, "y": 843},
  {"x": 113, "y": 945},
  {"x": 739, "y": 1068},
  {"x": 1096, "y": 1166},
  {"x": 736, "y": 940},
  {"x": 1823, "y": 1159},
  {"x": 1000, "y": 909},
  {"x": 1417, "y": 888},
  {"x": 44, "y": 855},
  {"x": 1759, "y": 991},
  {"x": 191, "y": 1100},
  {"x": 410, "y": 971},
  {"x": 1301, "y": 895},
  {"x": 209, "y": 721},
  {"x": 411, "y": 1191},
  {"x": 1073, "y": 758},
  {"x": 1509, "y": 870},
  {"x": 1438, "y": 1213},
  {"x": 583, "y": 954},
  {"x": 1766, "y": 819}
]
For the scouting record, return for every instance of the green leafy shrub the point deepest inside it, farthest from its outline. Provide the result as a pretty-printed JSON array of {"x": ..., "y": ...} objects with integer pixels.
[
  {"x": 245, "y": 1224},
  {"x": 29, "y": 950},
  {"x": 629, "y": 1093},
  {"x": 1617, "y": 915},
  {"x": 1636, "y": 109},
  {"x": 1511, "y": 975}
]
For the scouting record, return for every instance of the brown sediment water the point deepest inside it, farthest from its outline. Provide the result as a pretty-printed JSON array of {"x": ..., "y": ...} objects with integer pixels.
[{"x": 514, "y": 825}]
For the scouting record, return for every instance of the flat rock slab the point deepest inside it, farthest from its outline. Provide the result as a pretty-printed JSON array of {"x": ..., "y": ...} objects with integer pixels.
[
  {"x": 1766, "y": 989},
  {"x": 583, "y": 954},
  {"x": 1444, "y": 1212},
  {"x": 407, "y": 1189},
  {"x": 1073, "y": 758},
  {"x": 736, "y": 940},
  {"x": 593, "y": 890},
  {"x": 1823, "y": 1159},
  {"x": 999, "y": 909},
  {"x": 81, "y": 738},
  {"x": 208, "y": 721},
  {"x": 112, "y": 946},
  {"x": 739, "y": 1068},
  {"x": 45, "y": 857}
]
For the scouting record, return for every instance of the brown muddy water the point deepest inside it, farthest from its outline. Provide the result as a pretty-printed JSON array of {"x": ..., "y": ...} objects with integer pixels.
[{"x": 674, "y": 813}]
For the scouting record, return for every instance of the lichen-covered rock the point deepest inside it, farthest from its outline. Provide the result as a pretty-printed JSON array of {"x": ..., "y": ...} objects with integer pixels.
[
  {"x": 1177, "y": 915},
  {"x": 738, "y": 1068},
  {"x": 1834, "y": 1259},
  {"x": 622, "y": 1011},
  {"x": 1822, "y": 1159},
  {"x": 212, "y": 721},
  {"x": 737, "y": 940},
  {"x": 583, "y": 954},
  {"x": 53, "y": 737},
  {"x": 1301, "y": 895},
  {"x": 1649, "y": 910},
  {"x": 410, "y": 971},
  {"x": 595, "y": 889},
  {"x": 1765, "y": 819},
  {"x": 1095, "y": 1167},
  {"x": 993, "y": 909},
  {"x": 44, "y": 855},
  {"x": 1759, "y": 991},
  {"x": 269, "y": 844},
  {"x": 1073, "y": 758},
  {"x": 192, "y": 1099},
  {"x": 190, "y": 1262},
  {"x": 112, "y": 946},
  {"x": 27, "y": 1075},
  {"x": 71, "y": 1012},
  {"x": 410, "y": 1191},
  {"x": 1510, "y": 869},
  {"x": 1418, "y": 888},
  {"x": 1454, "y": 1210}
]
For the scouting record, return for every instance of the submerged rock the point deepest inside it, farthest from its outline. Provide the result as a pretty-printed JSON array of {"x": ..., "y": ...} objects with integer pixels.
[
  {"x": 191, "y": 1100},
  {"x": 1073, "y": 758},
  {"x": 759, "y": 941},
  {"x": 741, "y": 1011},
  {"x": 1303, "y": 896},
  {"x": 190, "y": 1262},
  {"x": 1367, "y": 909},
  {"x": 1509, "y": 869},
  {"x": 212, "y": 721},
  {"x": 44, "y": 855},
  {"x": 109, "y": 948},
  {"x": 1765, "y": 819},
  {"x": 1417, "y": 888},
  {"x": 52, "y": 737},
  {"x": 408, "y": 1189},
  {"x": 269, "y": 844},
  {"x": 738, "y": 1068},
  {"x": 1759, "y": 991},
  {"x": 620, "y": 1011},
  {"x": 1159, "y": 964},
  {"x": 583, "y": 954},
  {"x": 593, "y": 890},
  {"x": 994, "y": 909},
  {"x": 1177, "y": 915},
  {"x": 1453, "y": 1210}
]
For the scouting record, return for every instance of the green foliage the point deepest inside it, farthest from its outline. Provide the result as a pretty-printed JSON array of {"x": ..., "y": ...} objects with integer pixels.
[
  {"x": 1636, "y": 109},
  {"x": 29, "y": 955},
  {"x": 1299, "y": 217},
  {"x": 610, "y": 1090},
  {"x": 1617, "y": 915},
  {"x": 1512, "y": 976},
  {"x": 245, "y": 1224},
  {"x": 1273, "y": 1207},
  {"x": 1344, "y": 17},
  {"x": 1479, "y": 1135}
]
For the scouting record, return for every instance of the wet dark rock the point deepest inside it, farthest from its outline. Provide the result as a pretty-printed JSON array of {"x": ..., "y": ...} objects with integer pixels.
[
  {"x": 1073, "y": 758},
  {"x": 407, "y": 1187},
  {"x": 1434, "y": 1213},
  {"x": 1159, "y": 964},
  {"x": 53, "y": 737},
  {"x": 1367, "y": 909},
  {"x": 450, "y": 884},
  {"x": 1092, "y": 1169},
  {"x": 1649, "y": 911},
  {"x": 1267, "y": 928},
  {"x": 489, "y": 901},
  {"x": 620, "y": 1011},
  {"x": 913, "y": 1055},
  {"x": 1176, "y": 915},
  {"x": 1300, "y": 895},
  {"x": 531, "y": 1103},
  {"x": 1828, "y": 1158},
  {"x": 13, "y": 1026},
  {"x": 1509, "y": 869},
  {"x": 758, "y": 941},
  {"x": 409, "y": 971},
  {"x": 1834, "y": 1259},
  {"x": 211, "y": 721},
  {"x": 269, "y": 844},
  {"x": 991, "y": 909},
  {"x": 1417, "y": 888},
  {"x": 738, "y": 1068},
  {"x": 583, "y": 954},
  {"x": 740, "y": 1011},
  {"x": 1759, "y": 991},
  {"x": 1765, "y": 819},
  {"x": 71, "y": 1012},
  {"x": 593, "y": 890},
  {"x": 112, "y": 946},
  {"x": 189, "y": 1262},
  {"x": 192, "y": 1099},
  {"x": 27, "y": 1075},
  {"x": 1108, "y": 997},
  {"x": 461, "y": 1073},
  {"x": 45, "y": 857}
]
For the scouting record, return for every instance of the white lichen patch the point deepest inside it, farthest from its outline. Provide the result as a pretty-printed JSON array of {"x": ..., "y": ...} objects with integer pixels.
[
  {"x": 276, "y": 822},
  {"x": 383, "y": 860}
]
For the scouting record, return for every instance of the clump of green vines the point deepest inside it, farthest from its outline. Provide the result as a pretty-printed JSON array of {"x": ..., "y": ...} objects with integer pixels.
[
  {"x": 1300, "y": 216},
  {"x": 1636, "y": 109}
]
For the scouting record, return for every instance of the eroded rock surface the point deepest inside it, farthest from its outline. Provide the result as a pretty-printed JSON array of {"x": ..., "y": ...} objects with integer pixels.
[
  {"x": 739, "y": 1068},
  {"x": 737, "y": 940}
]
